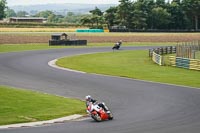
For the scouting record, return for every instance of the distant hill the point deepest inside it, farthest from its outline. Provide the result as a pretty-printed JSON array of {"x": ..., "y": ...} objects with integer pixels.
[{"x": 62, "y": 9}]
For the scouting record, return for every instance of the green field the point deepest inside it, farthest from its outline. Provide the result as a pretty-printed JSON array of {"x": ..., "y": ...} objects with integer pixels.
[
  {"x": 132, "y": 64},
  {"x": 18, "y": 106}
]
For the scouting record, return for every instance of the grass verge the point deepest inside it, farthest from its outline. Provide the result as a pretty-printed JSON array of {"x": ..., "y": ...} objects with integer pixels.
[
  {"x": 45, "y": 46},
  {"x": 18, "y": 105},
  {"x": 26, "y": 47},
  {"x": 132, "y": 64}
]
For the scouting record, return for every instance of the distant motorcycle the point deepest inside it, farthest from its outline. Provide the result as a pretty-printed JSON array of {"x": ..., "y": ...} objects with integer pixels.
[
  {"x": 98, "y": 113},
  {"x": 117, "y": 45}
]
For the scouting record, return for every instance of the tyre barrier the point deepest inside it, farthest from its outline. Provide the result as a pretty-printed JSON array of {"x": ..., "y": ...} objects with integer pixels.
[
  {"x": 67, "y": 42},
  {"x": 90, "y": 30},
  {"x": 186, "y": 63},
  {"x": 156, "y": 54}
]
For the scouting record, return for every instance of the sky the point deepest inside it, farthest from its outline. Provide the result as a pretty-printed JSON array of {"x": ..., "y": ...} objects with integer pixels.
[{"x": 34, "y": 2}]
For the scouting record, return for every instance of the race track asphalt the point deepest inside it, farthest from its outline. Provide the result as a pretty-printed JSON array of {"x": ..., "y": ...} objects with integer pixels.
[{"x": 138, "y": 106}]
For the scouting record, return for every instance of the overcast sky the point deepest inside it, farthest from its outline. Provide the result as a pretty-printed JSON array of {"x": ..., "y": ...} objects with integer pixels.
[{"x": 34, "y": 2}]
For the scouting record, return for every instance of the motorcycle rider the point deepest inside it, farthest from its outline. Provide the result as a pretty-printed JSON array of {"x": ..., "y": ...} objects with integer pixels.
[
  {"x": 117, "y": 45},
  {"x": 89, "y": 100}
]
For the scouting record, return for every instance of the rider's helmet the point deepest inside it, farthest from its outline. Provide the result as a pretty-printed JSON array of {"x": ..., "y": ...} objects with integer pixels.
[{"x": 88, "y": 98}]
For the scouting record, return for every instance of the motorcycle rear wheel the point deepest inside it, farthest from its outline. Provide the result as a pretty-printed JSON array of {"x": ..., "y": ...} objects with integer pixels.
[{"x": 110, "y": 116}]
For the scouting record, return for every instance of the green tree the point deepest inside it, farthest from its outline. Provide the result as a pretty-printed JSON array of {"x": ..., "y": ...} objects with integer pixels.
[
  {"x": 70, "y": 14},
  {"x": 123, "y": 12},
  {"x": 161, "y": 18},
  {"x": 72, "y": 18},
  {"x": 149, "y": 5},
  {"x": 22, "y": 14},
  {"x": 177, "y": 1},
  {"x": 44, "y": 14},
  {"x": 51, "y": 17},
  {"x": 178, "y": 18},
  {"x": 86, "y": 20},
  {"x": 2, "y": 9},
  {"x": 192, "y": 8},
  {"x": 10, "y": 13},
  {"x": 139, "y": 15},
  {"x": 160, "y": 3},
  {"x": 96, "y": 11},
  {"x": 97, "y": 17},
  {"x": 139, "y": 19},
  {"x": 110, "y": 16}
]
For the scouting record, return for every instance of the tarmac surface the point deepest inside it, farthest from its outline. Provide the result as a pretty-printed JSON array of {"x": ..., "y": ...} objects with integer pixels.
[{"x": 138, "y": 106}]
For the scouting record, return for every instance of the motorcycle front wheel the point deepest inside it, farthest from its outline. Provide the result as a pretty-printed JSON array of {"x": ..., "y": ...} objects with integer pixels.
[{"x": 96, "y": 117}]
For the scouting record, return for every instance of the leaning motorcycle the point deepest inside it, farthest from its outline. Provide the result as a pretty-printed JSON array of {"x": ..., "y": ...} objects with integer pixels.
[
  {"x": 98, "y": 113},
  {"x": 116, "y": 46}
]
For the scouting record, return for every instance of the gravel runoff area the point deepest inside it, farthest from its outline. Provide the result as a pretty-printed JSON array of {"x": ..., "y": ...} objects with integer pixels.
[{"x": 140, "y": 37}]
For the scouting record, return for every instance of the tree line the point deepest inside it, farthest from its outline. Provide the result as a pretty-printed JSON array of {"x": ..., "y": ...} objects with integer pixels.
[
  {"x": 155, "y": 14},
  {"x": 137, "y": 14}
]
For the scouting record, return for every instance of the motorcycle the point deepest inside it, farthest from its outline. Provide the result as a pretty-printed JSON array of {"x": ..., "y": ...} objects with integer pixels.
[
  {"x": 98, "y": 113},
  {"x": 117, "y": 45}
]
